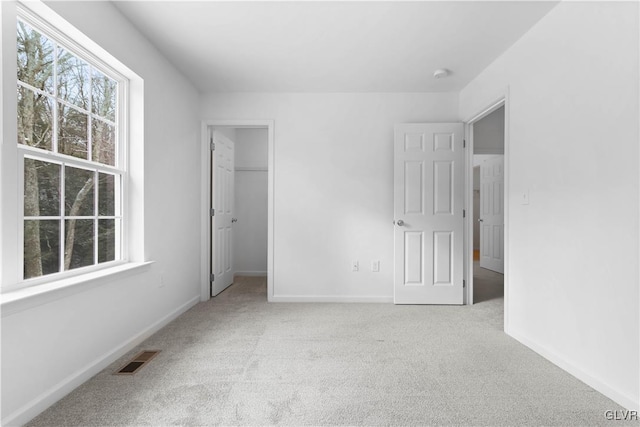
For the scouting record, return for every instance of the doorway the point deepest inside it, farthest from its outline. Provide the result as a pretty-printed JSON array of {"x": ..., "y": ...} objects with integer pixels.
[
  {"x": 487, "y": 201},
  {"x": 245, "y": 248}
]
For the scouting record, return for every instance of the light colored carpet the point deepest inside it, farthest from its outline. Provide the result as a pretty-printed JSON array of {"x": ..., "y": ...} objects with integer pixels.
[{"x": 238, "y": 360}]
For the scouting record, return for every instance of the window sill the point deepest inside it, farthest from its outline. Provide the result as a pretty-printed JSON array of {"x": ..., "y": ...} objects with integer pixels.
[{"x": 13, "y": 302}]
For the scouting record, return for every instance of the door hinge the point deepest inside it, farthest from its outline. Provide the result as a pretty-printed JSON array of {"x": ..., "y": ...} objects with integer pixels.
[
  {"x": 464, "y": 283},
  {"x": 212, "y": 212},
  {"x": 464, "y": 143},
  {"x": 464, "y": 213},
  {"x": 212, "y": 145},
  {"x": 212, "y": 277}
]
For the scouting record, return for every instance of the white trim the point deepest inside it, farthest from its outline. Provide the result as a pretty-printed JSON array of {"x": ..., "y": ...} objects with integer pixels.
[
  {"x": 468, "y": 228},
  {"x": 490, "y": 108},
  {"x": 25, "y": 298},
  {"x": 205, "y": 223},
  {"x": 31, "y": 409},
  {"x": 251, "y": 169},
  {"x": 507, "y": 191},
  {"x": 332, "y": 298},
  {"x": 250, "y": 273},
  {"x": 468, "y": 220},
  {"x": 58, "y": 158},
  {"x": 271, "y": 284},
  {"x": 81, "y": 45},
  {"x": 638, "y": 236},
  {"x": 8, "y": 146},
  {"x": 627, "y": 401}
]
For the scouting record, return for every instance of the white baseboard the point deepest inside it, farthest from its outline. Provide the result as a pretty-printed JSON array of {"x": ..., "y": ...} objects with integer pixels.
[
  {"x": 33, "y": 408},
  {"x": 629, "y": 402},
  {"x": 330, "y": 298},
  {"x": 250, "y": 273}
]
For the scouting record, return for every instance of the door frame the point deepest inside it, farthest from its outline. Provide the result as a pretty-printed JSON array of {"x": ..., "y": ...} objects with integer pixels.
[
  {"x": 490, "y": 107},
  {"x": 205, "y": 199}
]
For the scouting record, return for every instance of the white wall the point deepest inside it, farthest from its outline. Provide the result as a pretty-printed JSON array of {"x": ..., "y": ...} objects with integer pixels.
[
  {"x": 333, "y": 184},
  {"x": 250, "y": 232},
  {"x": 50, "y": 348},
  {"x": 251, "y": 148},
  {"x": 573, "y": 251},
  {"x": 488, "y": 133}
]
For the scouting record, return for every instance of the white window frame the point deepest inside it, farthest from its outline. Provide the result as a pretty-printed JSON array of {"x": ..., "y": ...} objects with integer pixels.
[
  {"x": 130, "y": 140},
  {"x": 119, "y": 170}
]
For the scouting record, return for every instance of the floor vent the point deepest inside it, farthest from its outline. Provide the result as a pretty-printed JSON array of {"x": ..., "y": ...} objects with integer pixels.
[{"x": 137, "y": 362}]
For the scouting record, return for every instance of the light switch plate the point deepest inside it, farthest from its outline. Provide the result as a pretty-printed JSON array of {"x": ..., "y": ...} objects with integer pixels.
[{"x": 375, "y": 266}]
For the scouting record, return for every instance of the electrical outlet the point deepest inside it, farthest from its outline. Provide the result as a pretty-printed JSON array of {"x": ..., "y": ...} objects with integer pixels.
[
  {"x": 355, "y": 266},
  {"x": 375, "y": 266},
  {"x": 525, "y": 197}
]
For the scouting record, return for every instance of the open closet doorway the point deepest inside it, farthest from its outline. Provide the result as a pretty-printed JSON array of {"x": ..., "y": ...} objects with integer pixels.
[
  {"x": 239, "y": 207},
  {"x": 488, "y": 221}
]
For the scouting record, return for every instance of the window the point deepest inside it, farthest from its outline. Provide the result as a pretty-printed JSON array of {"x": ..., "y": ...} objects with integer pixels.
[{"x": 71, "y": 151}]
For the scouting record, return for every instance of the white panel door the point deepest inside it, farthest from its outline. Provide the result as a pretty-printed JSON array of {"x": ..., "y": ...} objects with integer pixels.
[
  {"x": 222, "y": 198},
  {"x": 492, "y": 214},
  {"x": 428, "y": 212}
]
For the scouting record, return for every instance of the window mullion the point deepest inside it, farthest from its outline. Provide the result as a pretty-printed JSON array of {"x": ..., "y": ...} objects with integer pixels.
[
  {"x": 42, "y": 218},
  {"x": 70, "y": 160},
  {"x": 62, "y": 216},
  {"x": 56, "y": 148},
  {"x": 89, "y": 117},
  {"x": 21, "y": 221},
  {"x": 96, "y": 216},
  {"x": 54, "y": 127}
]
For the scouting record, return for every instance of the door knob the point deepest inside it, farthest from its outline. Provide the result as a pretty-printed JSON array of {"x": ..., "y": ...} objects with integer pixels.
[
  {"x": 400, "y": 222},
  {"x": 234, "y": 219},
  {"x": 480, "y": 220}
]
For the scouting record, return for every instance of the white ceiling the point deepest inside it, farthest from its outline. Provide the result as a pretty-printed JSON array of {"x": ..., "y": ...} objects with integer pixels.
[{"x": 313, "y": 46}]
